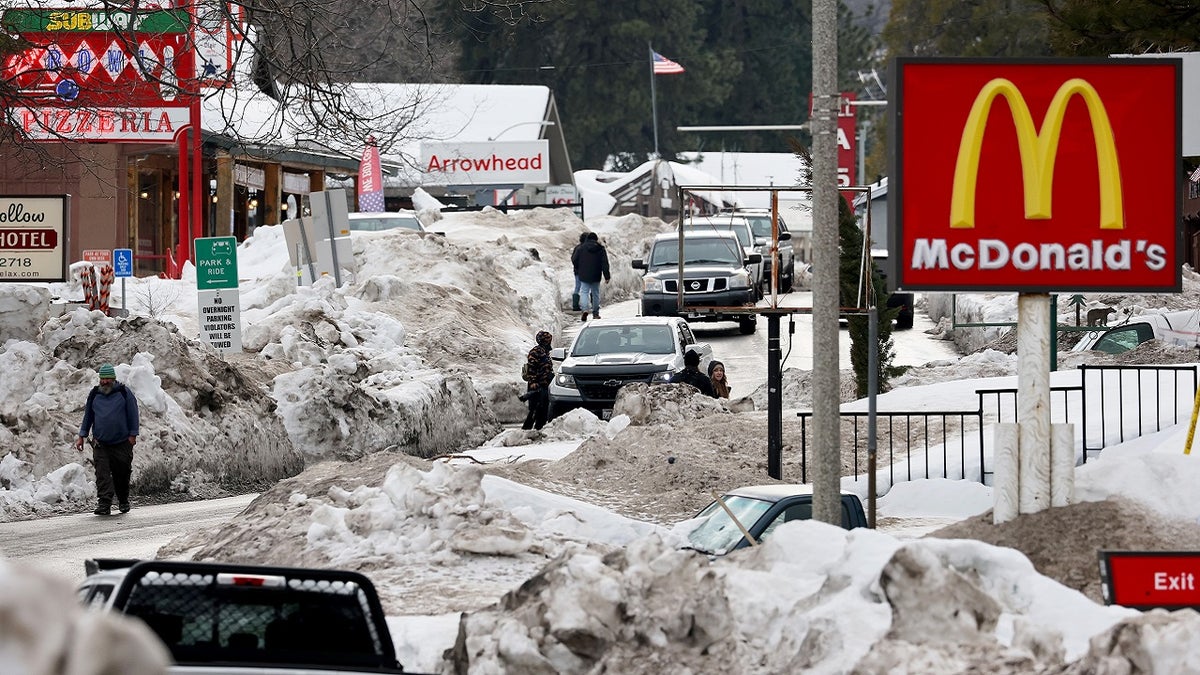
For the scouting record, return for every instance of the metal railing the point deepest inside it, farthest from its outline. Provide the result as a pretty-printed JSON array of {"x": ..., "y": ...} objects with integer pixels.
[
  {"x": 904, "y": 439},
  {"x": 1158, "y": 390}
]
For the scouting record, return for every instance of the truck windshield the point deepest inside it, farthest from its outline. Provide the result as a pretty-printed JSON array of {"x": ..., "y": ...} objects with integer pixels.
[
  {"x": 696, "y": 251},
  {"x": 761, "y": 226},
  {"x": 738, "y": 227},
  {"x": 717, "y": 533},
  {"x": 623, "y": 339}
]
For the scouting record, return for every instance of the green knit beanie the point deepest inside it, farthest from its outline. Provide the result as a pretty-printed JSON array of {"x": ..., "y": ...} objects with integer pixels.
[{"x": 107, "y": 372}]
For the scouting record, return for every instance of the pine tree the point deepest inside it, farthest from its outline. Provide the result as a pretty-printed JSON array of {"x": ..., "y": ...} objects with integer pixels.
[{"x": 850, "y": 249}]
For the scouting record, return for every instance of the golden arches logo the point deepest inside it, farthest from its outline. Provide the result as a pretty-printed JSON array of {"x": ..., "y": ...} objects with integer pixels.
[{"x": 1038, "y": 150}]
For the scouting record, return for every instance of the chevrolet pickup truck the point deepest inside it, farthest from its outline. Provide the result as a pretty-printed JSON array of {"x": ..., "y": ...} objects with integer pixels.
[
  {"x": 607, "y": 354},
  {"x": 222, "y": 619}
]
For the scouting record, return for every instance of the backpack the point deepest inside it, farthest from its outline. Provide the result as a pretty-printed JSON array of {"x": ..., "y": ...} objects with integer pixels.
[{"x": 525, "y": 374}]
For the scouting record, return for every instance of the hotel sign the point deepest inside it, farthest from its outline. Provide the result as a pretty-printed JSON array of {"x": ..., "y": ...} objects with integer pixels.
[
  {"x": 1058, "y": 175},
  {"x": 33, "y": 242}
]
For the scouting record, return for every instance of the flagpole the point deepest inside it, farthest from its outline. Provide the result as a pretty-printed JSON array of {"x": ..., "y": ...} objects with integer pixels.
[{"x": 653, "y": 99}]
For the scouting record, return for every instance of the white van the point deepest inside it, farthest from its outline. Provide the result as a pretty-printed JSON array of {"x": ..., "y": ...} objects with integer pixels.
[{"x": 1174, "y": 328}]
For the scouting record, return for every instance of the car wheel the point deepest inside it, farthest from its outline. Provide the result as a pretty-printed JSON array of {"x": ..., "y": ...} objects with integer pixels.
[
  {"x": 748, "y": 325},
  {"x": 789, "y": 280}
]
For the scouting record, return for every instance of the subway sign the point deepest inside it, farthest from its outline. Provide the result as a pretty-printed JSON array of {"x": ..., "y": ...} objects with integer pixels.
[{"x": 1036, "y": 176}]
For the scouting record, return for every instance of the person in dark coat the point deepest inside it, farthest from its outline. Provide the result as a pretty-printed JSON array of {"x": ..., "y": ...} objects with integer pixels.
[
  {"x": 541, "y": 372},
  {"x": 691, "y": 374},
  {"x": 111, "y": 417},
  {"x": 575, "y": 294},
  {"x": 590, "y": 261}
]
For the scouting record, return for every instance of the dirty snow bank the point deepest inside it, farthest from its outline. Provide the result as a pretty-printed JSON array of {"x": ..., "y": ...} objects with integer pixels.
[{"x": 836, "y": 598}]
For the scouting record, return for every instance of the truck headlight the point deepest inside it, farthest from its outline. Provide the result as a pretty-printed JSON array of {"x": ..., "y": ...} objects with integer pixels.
[
  {"x": 661, "y": 377},
  {"x": 564, "y": 380},
  {"x": 653, "y": 285},
  {"x": 739, "y": 280}
]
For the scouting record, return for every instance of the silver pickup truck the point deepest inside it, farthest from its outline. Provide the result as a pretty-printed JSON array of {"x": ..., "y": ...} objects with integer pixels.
[{"x": 223, "y": 619}]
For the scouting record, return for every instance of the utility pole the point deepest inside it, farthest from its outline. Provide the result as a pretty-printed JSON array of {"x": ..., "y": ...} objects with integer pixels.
[{"x": 827, "y": 462}]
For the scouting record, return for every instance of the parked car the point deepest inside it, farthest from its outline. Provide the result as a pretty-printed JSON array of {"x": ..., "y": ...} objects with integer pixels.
[
  {"x": 715, "y": 274},
  {"x": 760, "y": 223},
  {"x": 745, "y": 233},
  {"x": 607, "y": 354},
  {"x": 760, "y": 509},
  {"x": 385, "y": 220},
  {"x": 222, "y": 618},
  {"x": 1175, "y": 328}
]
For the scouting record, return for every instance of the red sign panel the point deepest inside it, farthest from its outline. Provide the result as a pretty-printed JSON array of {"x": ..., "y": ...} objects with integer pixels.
[
  {"x": 1144, "y": 580},
  {"x": 847, "y": 142},
  {"x": 1057, "y": 175},
  {"x": 83, "y": 78}
]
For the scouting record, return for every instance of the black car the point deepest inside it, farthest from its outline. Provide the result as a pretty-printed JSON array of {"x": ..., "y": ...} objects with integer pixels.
[{"x": 760, "y": 509}]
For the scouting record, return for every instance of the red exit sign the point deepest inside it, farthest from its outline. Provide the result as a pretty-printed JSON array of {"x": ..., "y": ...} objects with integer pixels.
[{"x": 1146, "y": 580}]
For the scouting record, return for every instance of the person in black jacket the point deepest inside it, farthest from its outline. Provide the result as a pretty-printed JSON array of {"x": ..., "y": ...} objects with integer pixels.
[
  {"x": 590, "y": 261},
  {"x": 540, "y": 373},
  {"x": 691, "y": 374}
]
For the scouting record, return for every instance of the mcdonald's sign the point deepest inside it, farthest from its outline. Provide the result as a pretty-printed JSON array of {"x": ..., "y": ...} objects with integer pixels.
[{"x": 1036, "y": 176}]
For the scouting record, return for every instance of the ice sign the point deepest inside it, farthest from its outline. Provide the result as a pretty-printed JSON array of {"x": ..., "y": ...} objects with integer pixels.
[{"x": 216, "y": 263}]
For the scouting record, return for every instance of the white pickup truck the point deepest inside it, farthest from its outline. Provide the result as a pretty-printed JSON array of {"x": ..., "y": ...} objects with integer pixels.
[
  {"x": 607, "y": 354},
  {"x": 223, "y": 619}
]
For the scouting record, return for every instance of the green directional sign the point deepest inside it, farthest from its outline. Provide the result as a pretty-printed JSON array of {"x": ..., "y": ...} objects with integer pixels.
[{"x": 216, "y": 263}]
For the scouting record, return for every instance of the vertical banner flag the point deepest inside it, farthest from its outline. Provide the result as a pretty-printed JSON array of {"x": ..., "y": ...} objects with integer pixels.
[
  {"x": 665, "y": 66},
  {"x": 370, "y": 180}
]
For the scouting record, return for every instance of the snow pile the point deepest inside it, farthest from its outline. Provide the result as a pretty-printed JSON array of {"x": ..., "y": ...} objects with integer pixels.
[
  {"x": 22, "y": 495},
  {"x": 837, "y": 598},
  {"x": 199, "y": 411},
  {"x": 434, "y": 538},
  {"x": 45, "y": 631},
  {"x": 23, "y": 310},
  {"x": 646, "y": 404},
  {"x": 974, "y": 308},
  {"x": 421, "y": 353}
]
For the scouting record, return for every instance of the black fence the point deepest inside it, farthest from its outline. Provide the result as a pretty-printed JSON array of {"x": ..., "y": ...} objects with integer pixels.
[{"x": 907, "y": 441}]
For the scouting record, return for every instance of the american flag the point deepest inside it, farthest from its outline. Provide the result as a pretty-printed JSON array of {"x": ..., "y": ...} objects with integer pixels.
[
  {"x": 665, "y": 66},
  {"x": 370, "y": 180}
]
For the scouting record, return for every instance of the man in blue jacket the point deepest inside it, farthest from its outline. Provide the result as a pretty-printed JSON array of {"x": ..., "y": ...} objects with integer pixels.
[{"x": 111, "y": 416}]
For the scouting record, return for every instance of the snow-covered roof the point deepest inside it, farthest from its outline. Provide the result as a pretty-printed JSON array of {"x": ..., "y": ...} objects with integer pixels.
[
  {"x": 398, "y": 115},
  {"x": 597, "y": 187}
]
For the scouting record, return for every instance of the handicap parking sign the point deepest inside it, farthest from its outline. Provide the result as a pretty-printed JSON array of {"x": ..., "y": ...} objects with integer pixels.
[{"x": 122, "y": 262}]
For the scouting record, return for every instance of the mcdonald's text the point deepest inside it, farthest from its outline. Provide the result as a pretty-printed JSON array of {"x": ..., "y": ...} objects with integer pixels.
[{"x": 995, "y": 254}]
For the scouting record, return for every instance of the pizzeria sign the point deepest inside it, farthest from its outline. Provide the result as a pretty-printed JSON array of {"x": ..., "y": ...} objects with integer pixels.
[{"x": 1037, "y": 176}]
